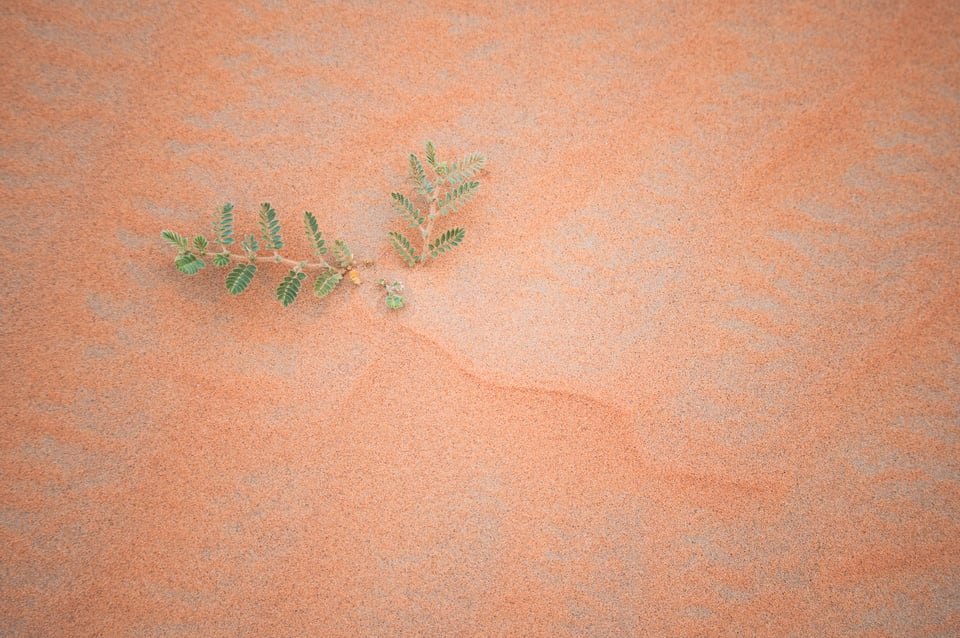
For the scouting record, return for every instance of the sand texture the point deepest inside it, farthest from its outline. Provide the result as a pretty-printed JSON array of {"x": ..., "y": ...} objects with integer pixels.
[{"x": 694, "y": 371}]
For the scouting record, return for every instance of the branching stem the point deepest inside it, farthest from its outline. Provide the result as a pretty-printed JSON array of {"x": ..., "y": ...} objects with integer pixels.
[
  {"x": 431, "y": 218},
  {"x": 321, "y": 265}
]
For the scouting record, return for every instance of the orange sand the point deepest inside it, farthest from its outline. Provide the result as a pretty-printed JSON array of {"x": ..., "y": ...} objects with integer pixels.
[{"x": 695, "y": 370}]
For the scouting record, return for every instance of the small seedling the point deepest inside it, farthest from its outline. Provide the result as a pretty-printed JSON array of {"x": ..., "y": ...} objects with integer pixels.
[
  {"x": 394, "y": 296},
  {"x": 452, "y": 186},
  {"x": 191, "y": 254}
]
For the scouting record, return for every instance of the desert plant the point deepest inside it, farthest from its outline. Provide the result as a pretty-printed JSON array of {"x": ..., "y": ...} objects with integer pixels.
[
  {"x": 191, "y": 254},
  {"x": 452, "y": 186},
  {"x": 394, "y": 297}
]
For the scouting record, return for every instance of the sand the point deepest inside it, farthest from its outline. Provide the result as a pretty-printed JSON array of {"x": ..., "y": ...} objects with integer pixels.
[{"x": 694, "y": 371}]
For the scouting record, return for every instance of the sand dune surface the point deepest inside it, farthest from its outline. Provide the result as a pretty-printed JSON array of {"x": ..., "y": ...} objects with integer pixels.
[{"x": 694, "y": 370}]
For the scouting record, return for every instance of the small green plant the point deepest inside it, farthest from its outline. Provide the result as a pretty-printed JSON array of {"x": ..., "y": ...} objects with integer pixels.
[
  {"x": 191, "y": 255},
  {"x": 451, "y": 186},
  {"x": 394, "y": 296}
]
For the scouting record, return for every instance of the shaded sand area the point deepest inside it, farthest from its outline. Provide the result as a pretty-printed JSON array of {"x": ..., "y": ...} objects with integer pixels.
[{"x": 694, "y": 371}]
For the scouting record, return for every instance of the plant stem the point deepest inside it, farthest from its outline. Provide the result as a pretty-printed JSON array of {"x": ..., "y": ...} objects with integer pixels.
[
  {"x": 283, "y": 260},
  {"x": 431, "y": 218}
]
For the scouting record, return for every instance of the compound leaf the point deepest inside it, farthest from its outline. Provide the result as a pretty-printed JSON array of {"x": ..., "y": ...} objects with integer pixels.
[
  {"x": 270, "y": 228},
  {"x": 466, "y": 168},
  {"x": 313, "y": 233},
  {"x": 424, "y": 187},
  {"x": 447, "y": 241},
  {"x": 394, "y": 301},
  {"x": 221, "y": 259},
  {"x": 223, "y": 224},
  {"x": 406, "y": 209},
  {"x": 240, "y": 277},
  {"x": 289, "y": 288},
  {"x": 431, "y": 155},
  {"x": 175, "y": 239},
  {"x": 343, "y": 254},
  {"x": 326, "y": 282},
  {"x": 250, "y": 245},
  {"x": 458, "y": 196},
  {"x": 188, "y": 263},
  {"x": 402, "y": 245},
  {"x": 200, "y": 243}
]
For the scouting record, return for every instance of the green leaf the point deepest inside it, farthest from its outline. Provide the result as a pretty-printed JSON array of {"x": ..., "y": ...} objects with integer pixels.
[
  {"x": 188, "y": 263},
  {"x": 200, "y": 243},
  {"x": 326, "y": 282},
  {"x": 424, "y": 187},
  {"x": 289, "y": 288},
  {"x": 406, "y": 209},
  {"x": 221, "y": 259},
  {"x": 458, "y": 196},
  {"x": 240, "y": 277},
  {"x": 175, "y": 239},
  {"x": 223, "y": 224},
  {"x": 394, "y": 301},
  {"x": 313, "y": 233},
  {"x": 343, "y": 254},
  {"x": 447, "y": 241},
  {"x": 250, "y": 245},
  {"x": 402, "y": 245},
  {"x": 466, "y": 168},
  {"x": 431, "y": 155},
  {"x": 270, "y": 228}
]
